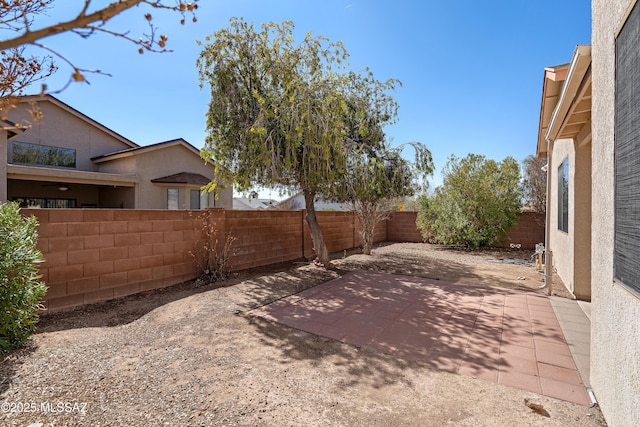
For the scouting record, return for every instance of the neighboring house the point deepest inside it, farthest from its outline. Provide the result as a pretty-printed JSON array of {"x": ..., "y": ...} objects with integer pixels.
[
  {"x": 68, "y": 160},
  {"x": 296, "y": 202},
  {"x": 247, "y": 203},
  {"x": 564, "y": 138}
]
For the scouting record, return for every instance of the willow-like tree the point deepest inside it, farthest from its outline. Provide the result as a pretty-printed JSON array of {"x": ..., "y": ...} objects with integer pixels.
[{"x": 277, "y": 115}]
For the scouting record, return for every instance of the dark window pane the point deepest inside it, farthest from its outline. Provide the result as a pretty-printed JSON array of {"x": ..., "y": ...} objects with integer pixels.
[
  {"x": 42, "y": 155},
  {"x": 563, "y": 196},
  {"x": 195, "y": 199}
]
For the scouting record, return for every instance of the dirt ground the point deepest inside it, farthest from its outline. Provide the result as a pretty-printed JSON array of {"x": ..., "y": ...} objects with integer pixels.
[{"x": 193, "y": 356}]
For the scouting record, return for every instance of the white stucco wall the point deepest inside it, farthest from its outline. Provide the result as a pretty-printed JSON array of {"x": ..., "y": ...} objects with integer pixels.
[
  {"x": 615, "y": 326},
  {"x": 561, "y": 242}
]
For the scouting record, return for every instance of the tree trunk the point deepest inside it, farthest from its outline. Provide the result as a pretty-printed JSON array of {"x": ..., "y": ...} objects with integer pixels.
[
  {"x": 368, "y": 219},
  {"x": 319, "y": 246}
]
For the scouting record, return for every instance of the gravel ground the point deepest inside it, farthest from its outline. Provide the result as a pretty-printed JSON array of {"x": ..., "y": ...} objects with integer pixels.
[{"x": 190, "y": 356}]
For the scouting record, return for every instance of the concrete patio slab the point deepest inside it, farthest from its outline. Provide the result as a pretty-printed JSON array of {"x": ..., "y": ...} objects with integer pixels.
[{"x": 510, "y": 337}]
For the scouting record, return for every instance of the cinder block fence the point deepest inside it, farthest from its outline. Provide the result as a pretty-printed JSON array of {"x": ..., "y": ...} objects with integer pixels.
[{"x": 94, "y": 255}]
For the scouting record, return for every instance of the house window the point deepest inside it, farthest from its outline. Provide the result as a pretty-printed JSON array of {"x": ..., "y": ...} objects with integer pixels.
[
  {"x": 563, "y": 196},
  {"x": 172, "y": 198},
  {"x": 626, "y": 256},
  {"x": 204, "y": 199},
  {"x": 195, "y": 199},
  {"x": 42, "y": 155}
]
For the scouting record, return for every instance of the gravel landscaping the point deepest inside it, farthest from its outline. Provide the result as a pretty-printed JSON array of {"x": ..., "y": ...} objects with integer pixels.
[{"x": 193, "y": 356}]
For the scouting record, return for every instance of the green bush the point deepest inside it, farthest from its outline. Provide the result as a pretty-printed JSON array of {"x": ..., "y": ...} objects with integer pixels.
[
  {"x": 477, "y": 204},
  {"x": 21, "y": 290}
]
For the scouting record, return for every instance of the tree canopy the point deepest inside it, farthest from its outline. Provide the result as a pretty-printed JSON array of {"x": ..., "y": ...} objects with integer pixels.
[
  {"x": 477, "y": 203},
  {"x": 288, "y": 115}
]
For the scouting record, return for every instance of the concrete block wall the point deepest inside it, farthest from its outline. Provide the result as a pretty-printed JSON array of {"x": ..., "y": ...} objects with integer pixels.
[
  {"x": 264, "y": 237},
  {"x": 528, "y": 232},
  {"x": 95, "y": 255},
  {"x": 337, "y": 229},
  {"x": 402, "y": 227},
  {"x": 379, "y": 233}
]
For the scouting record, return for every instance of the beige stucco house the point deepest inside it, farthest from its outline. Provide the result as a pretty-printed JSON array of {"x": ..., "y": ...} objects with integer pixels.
[
  {"x": 68, "y": 160},
  {"x": 564, "y": 138},
  {"x": 615, "y": 210},
  {"x": 590, "y": 132}
]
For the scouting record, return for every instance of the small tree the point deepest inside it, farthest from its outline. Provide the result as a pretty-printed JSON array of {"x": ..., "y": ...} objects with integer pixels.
[
  {"x": 535, "y": 183},
  {"x": 374, "y": 179},
  {"x": 21, "y": 290},
  {"x": 477, "y": 204}
]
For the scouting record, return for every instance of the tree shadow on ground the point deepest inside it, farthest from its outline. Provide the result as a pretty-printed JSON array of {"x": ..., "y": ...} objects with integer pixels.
[
  {"x": 128, "y": 309},
  {"x": 11, "y": 364},
  {"x": 258, "y": 287},
  {"x": 449, "y": 327},
  {"x": 350, "y": 364}
]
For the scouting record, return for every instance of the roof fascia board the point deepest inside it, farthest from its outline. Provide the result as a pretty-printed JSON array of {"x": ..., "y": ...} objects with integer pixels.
[
  {"x": 577, "y": 71},
  {"x": 144, "y": 149},
  {"x": 553, "y": 77}
]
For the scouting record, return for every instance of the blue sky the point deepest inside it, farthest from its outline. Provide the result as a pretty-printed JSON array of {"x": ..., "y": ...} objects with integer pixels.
[{"x": 471, "y": 70}]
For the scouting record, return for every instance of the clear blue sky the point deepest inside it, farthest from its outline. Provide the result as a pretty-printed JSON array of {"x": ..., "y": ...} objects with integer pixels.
[{"x": 471, "y": 70}]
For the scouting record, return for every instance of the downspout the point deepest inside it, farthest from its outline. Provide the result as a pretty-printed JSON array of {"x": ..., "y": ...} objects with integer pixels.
[{"x": 548, "y": 254}]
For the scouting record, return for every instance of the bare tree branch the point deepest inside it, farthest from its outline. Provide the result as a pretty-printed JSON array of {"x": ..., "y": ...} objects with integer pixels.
[
  {"x": 82, "y": 20},
  {"x": 18, "y": 71}
]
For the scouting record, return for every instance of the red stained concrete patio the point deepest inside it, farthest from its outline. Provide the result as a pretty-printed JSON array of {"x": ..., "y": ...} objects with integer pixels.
[{"x": 509, "y": 337}]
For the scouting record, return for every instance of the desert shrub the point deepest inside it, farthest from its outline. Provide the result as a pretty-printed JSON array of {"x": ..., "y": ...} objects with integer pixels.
[
  {"x": 476, "y": 205},
  {"x": 212, "y": 251},
  {"x": 21, "y": 290}
]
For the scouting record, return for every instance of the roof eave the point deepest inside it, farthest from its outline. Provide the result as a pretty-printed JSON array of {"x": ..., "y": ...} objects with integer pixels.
[{"x": 578, "y": 70}]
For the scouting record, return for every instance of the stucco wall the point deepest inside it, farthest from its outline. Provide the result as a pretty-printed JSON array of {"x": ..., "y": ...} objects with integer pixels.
[
  {"x": 59, "y": 128},
  {"x": 152, "y": 164},
  {"x": 562, "y": 243},
  {"x": 615, "y": 328}
]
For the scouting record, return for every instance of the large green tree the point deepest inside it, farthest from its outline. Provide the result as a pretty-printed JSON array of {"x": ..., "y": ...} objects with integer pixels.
[
  {"x": 279, "y": 111},
  {"x": 477, "y": 203}
]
